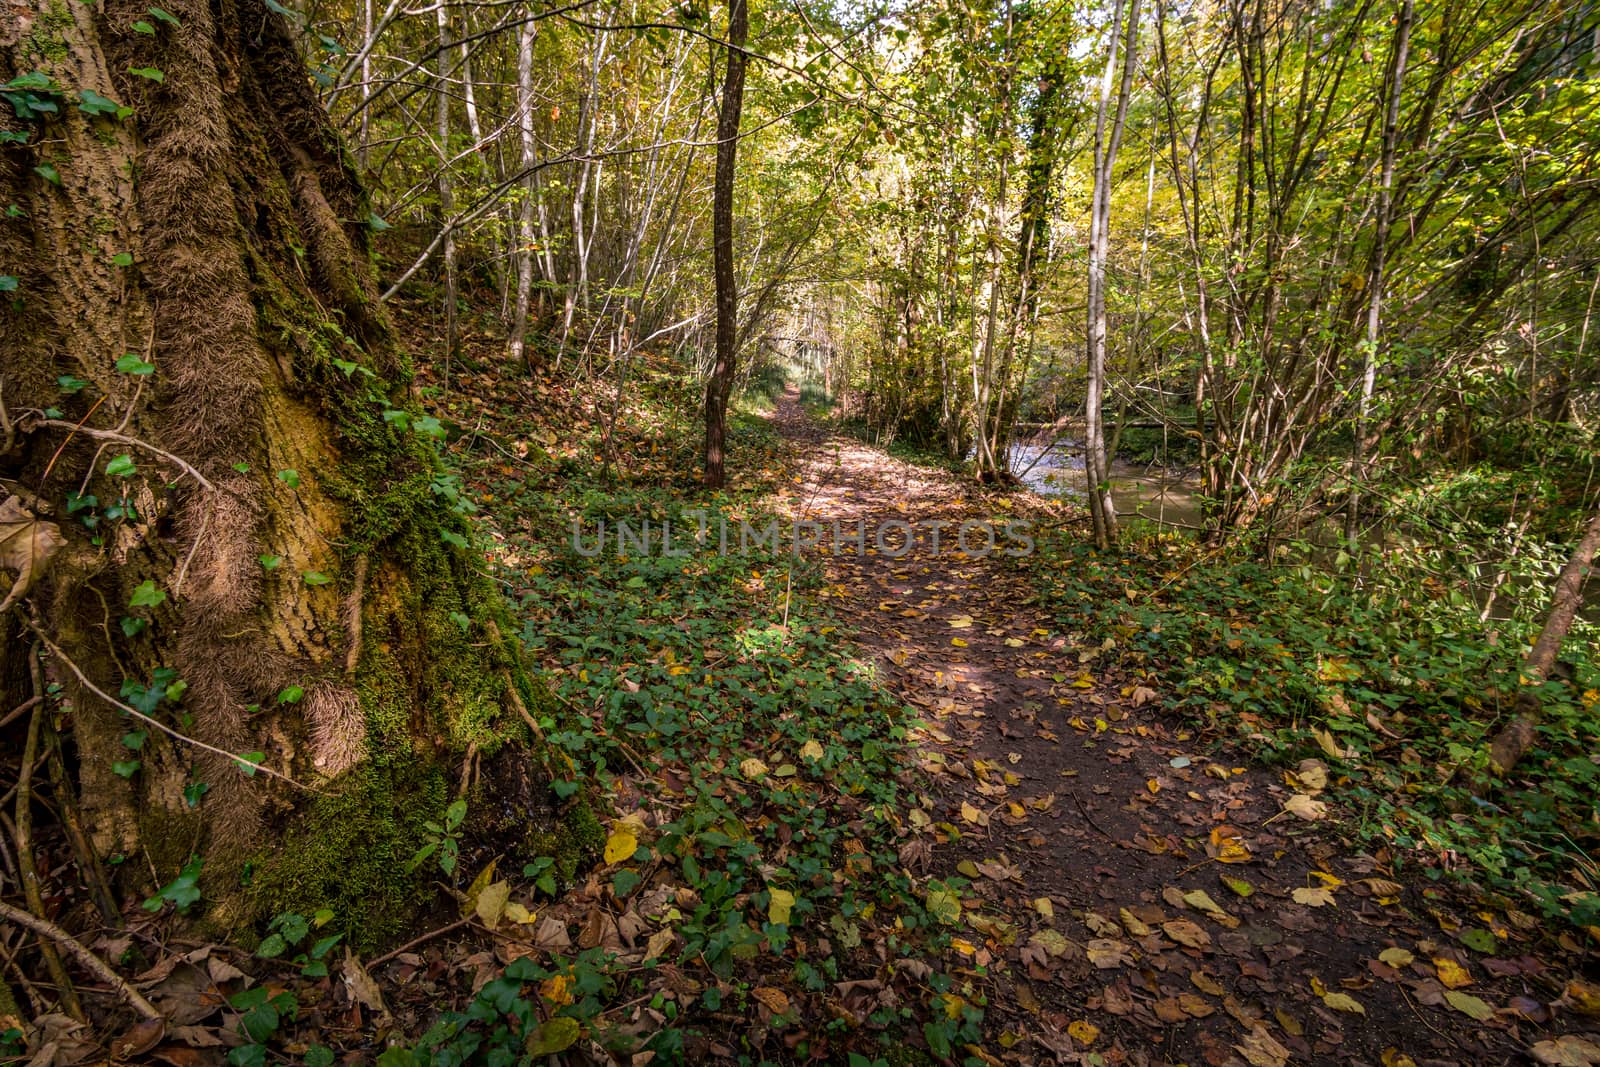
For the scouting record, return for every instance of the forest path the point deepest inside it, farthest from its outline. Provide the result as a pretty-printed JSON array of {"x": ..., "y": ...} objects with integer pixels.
[{"x": 1131, "y": 893}]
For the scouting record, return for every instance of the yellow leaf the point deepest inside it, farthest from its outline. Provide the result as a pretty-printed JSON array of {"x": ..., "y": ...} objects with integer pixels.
[
  {"x": 971, "y": 814},
  {"x": 1313, "y": 898},
  {"x": 469, "y": 905},
  {"x": 556, "y": 989},
  {"x": 1084, "y": 1033},
  {"x": 958, "y": 642},
  {"x": 1451, "y": 973},
  {"x": 1396, "y": 957},
  {"x": 1013, "y": 642},
  {"x": 811, "y": 750},
  {"x": 491, "y": 903},
  {"x": 779, "y": 906},
  {"x": 944, "y": 905},
  {"x": 622, "y": 843},
  {"x": 1343, "y": 1002},
  {"x": 1154, "y": 785},
  {"x": 753, "y": 768}
]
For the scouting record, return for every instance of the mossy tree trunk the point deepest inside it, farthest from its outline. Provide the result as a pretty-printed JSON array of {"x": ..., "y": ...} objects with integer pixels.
[{"x": 193, "y": 287}]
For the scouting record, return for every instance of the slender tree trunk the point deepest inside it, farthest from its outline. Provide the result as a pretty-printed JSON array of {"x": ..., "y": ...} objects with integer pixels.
[
  {"x": 289, "y": 564},
  {"x": 1097, "y": 469},
  {"x": 1375, "y": 278},
  {"x": 1513, "y": 742},
  {"x": 530, "y": 194},
  {"x": 447, "y": 195},
  {"x": 720, "y": 383}
]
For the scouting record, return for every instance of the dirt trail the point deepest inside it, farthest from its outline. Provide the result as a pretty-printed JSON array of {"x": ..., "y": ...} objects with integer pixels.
[{"x": 1137, "y": 894}]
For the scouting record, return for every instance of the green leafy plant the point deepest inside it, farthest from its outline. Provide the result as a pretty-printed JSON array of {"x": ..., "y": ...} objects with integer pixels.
[{"x": 444, "y": 839}]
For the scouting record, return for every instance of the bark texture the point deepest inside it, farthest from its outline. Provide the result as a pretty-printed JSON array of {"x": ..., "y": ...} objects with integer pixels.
[{"x": 315, "y": 606}]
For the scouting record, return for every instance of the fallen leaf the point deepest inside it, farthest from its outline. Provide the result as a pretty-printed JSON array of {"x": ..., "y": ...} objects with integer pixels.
[
  {"x": 1313, "y": 898},
  {"x": 776, "y": 1000},
  {"x": 1467, "y": 1004},
  {"x": 1567, "y": 1051},
  {"x": 1260, "y": 1050},
  {"x": 624, "y": 840},
  {"x": 27, "y": 544},
  {"x": 1187, "y": 933},
  {"x": 556, "y": 1035},
  {"x": 779, "y": 905},
  {"x": 1084, "y": 1033},
  {"x": 753, "y": 768},
  {"x": 1343, "y": 1002},
  {"x": 1396, "y": 957},
  {"x": 1306, "y": 807},
  {"x": 1451, "y": 973}
]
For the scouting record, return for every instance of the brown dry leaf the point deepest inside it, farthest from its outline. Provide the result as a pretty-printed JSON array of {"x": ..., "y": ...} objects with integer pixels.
[
  {"x": 1187, "y": 933},
  {"x": 1260, "y": 1050},
  {"x": 1306, "y": 807},
  {"x": 363, "y": 990},
  {"x": 1568, "y": 1051},
  {"x": 1205, "y": 983},
  {"x": 1313, "y": 898},
  {"x": 776, "y": 1000},
  {"x": 144, "y": 1036},
  {"x": 27, "y": 544},
  {"x": 1311, "y": 776},
  {"x": 1329, "y": 745},
  {"x": 1105, "y": 953},
  {"x": 1133, "y": 924}
]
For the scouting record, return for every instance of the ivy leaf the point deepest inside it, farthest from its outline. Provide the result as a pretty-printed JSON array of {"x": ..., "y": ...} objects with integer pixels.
[
  {"x": 8, "y": 284},
  {"x": 133, "y": 363},
  {"x": 269, "y": 562},
  {"x": 70, "y": 385},
  {"x": 122, "y": 466},
  {"x": 144, "y": 27},
  {"x": 163, "y": 15},
  {"x": 125, "y": 768},
  {"x": 122, "y": 259},
  {"x": 132, "y": 626},
  {"x": 147, "y": 595},
  {"x": 291, "y": 478},
  {"x": 249, "y": 761},
  {"x": 291, "y": 695},
  {"x": 450, "y": 537},
  {"x": 148, "y": 72},
  {"x": 92, "y": 103},
  {"x": 376, "y": 224},
  {"x": 48, "y": 173},
  {"x": 315, "y": 578}
]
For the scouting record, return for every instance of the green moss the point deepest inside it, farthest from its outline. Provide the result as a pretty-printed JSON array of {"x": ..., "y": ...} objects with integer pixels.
[
  {"x": 47, "y": 41},
  {"x": 348, "y": 854}
]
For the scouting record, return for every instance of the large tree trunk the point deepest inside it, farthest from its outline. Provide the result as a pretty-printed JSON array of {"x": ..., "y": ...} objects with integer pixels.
[
  {"x": 1513, "y": 742},
  {"x": 276, "y": 539},
  {"x": 720, "y": 384}
]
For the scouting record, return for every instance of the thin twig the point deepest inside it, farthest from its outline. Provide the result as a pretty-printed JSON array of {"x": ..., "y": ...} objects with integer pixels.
[
  {"x": 96, "y": 966},
  {"x": 163, "y": 727}
]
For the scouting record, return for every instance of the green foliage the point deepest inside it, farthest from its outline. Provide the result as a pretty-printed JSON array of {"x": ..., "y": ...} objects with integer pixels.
[
  {"x": 443, "y": 838},
  {"x": 183, "y": 892},
  {"x": 1383, "y": 653}
]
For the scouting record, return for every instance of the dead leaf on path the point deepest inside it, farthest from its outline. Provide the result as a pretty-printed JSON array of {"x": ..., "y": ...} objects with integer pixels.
[
  {"x": 1451, "y": 973},
  {"x": 1239, "y": 886},
  {"x": 1205, "y": 983},
  {"x": 1227, "y": 846},
  {"x": 1105, "y": 953},
  {"x": 1306, "y": 807},
  {"x": 1396, "y": 957},
  {"x": 363, "y": 990},
  {"x": 624, "y": 839},
  {"x": 1260, "y": 1050},
  {"x": 1343, "y": 1002},
  {"x": 1467, "y": 1004},
  {"x": 1084, "y": 1033},
  {"x": 1313, "y": 898},
  {"x": 490, "y": 905},
  {"x": 1567, "y": 1051},
  {"x": 1311, "y": 776},
  {"x": 753, "y": 769},
  {"x": 1186, "y": 933}
]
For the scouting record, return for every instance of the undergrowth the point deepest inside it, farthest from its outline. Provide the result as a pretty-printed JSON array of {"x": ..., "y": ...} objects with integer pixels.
[{"x": 1377, "y": 661}]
